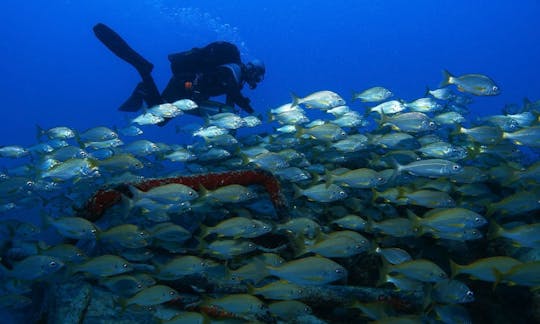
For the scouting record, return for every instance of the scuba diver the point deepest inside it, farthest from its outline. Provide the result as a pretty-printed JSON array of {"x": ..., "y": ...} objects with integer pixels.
[{"x": 198, "y": 74}]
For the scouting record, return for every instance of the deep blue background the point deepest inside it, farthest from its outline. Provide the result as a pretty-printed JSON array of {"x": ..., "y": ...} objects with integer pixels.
[{"x": 55, "y": 72}]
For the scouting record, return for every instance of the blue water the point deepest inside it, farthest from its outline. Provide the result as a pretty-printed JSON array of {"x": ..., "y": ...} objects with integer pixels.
[{"x": 55, "y": 72}]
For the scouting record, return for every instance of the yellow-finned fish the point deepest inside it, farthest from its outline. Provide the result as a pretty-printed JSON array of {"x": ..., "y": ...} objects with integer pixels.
[
  {"x": 374, "y": 94},
  {"x": 310, "y": 271},
  {"x": 476, "y": 84},
  {"x": 154, "y": 295}
]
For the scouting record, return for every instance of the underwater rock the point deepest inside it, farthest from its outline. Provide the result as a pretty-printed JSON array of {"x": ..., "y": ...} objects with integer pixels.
[
  {"x": 104, "y": 308},
  {"x": 69, "y": 302}
]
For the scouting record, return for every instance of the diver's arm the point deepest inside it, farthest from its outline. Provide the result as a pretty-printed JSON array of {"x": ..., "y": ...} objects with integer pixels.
[
  {"x": 233, "y": 91},
  {"x": 241, "y": 101}
]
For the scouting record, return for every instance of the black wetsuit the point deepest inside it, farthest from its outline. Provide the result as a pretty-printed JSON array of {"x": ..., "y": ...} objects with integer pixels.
[
  {"x": 198, "y": 74},
  {"x": 201, "y": 85}
]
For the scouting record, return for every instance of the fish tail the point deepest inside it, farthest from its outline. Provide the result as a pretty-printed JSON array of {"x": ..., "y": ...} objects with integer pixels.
[
  {"x": 299, "y": 131},
  {"x": 270, "y": 116},
  {"x": 137, "y": 194},
  {"x": 328, "y": 178},
  {"x": 455, "y": 268},
  {"x": 492, "y": 208},
  {"x": 297, "y": 191},
  {"x": 417, "y": 223},
  {"x": 398, "y": 168},
  {"x": 46, "y": 220},
  {"x": 374, "y": 195},
  {"x": 205, "y": 231},
  {"x": 295, "y": 100},
  {"x": 498, "y": 277},
  {"x": 4, "y": 272},
  {"x": 354, "y": 95},
  {"x": 495, "y": 230},
  {"x": 369, "y": 225},
  {"x": 385, "y": 270},
  {"x": 298, "y": 245},
  {"x": 447, "y": 78},
  {"x": 427, "y": 93},
  {"x": 382, "y": 120},
  {"x": 39, "y": 132}
]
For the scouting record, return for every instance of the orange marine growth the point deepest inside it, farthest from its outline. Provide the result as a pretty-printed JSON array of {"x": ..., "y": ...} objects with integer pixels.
[{"x": 106, "y": 198}]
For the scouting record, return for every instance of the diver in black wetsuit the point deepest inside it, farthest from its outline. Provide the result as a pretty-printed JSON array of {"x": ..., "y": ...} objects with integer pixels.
[{"x": 198, "y": 74}]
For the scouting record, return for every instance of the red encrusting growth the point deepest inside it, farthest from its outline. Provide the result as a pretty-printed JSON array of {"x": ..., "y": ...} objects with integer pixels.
[{"x": 104, "y": 199}]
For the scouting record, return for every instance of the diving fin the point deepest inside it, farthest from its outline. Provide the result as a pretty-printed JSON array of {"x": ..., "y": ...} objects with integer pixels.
[
  {"x": 135, "y": 100},
  {"x": 120, "y": 48}
]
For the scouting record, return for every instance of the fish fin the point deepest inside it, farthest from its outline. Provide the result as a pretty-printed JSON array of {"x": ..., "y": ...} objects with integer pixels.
[
  {"x": 447, "y": 79},
  {"x": 295, "y": 100}
]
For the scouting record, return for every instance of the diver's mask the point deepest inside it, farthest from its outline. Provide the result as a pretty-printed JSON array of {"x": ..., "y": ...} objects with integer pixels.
[{"x": 254, "y": 73}]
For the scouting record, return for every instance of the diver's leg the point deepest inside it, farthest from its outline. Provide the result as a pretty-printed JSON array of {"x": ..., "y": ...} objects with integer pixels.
[
  {"x": 135, "y": 101},
  {"x": 144, "y": 91}
]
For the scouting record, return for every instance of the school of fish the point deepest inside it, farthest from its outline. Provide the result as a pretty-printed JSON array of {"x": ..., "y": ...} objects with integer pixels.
[{"x": 399, "y": 212}]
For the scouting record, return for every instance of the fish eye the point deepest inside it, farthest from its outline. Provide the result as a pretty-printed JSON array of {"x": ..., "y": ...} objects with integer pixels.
[
  {"x": 52, "y": 264},
  {"x": 495, "y": 88},
  {"x": 93, "y": 231},
  {"x": 442, "y": 275},
  {"x": 455, "y": 167},
  {"x": 172, "y": 293},
  {"x": 338, "y": 270},
  {"x": 124, "y": 265},
  {"x": 469, "y": 294},
  {"x": 477, "y": 219},
  {"x": 431, "y": 124}
]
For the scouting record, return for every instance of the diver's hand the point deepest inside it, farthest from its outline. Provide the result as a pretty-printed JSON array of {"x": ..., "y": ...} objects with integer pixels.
[
  {"x": 245, "y": 105},
  {"x": 248, "y": 109}
]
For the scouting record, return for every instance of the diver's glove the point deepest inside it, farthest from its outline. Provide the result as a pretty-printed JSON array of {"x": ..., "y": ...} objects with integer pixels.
[
  {"x": 245, "y": 105},
  {"x": 249, "y": 110}
]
